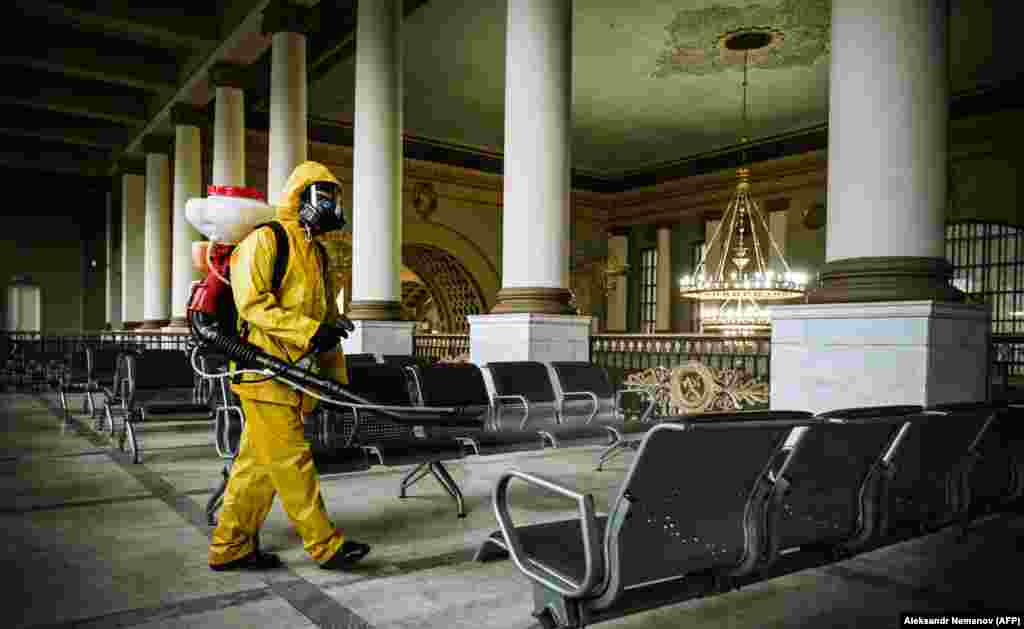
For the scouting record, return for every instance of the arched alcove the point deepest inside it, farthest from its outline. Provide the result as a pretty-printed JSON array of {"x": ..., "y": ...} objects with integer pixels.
[
  {"x": 451, "y": 293},
  {"x": 439, "y": 290}
]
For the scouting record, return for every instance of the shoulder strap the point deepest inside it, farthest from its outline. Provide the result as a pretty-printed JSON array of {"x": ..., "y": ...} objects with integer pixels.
[{"x": 281, "y": 259}]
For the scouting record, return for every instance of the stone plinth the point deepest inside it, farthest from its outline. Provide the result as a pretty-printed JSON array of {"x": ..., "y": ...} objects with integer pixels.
[
  {"x": 380, "y": 337},
  {"x": 528, "y": 336},
  {"x": 832, "y": 356}
]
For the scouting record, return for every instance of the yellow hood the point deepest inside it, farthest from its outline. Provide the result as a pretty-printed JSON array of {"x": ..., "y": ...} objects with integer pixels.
[{"x": 303, "y": 175}]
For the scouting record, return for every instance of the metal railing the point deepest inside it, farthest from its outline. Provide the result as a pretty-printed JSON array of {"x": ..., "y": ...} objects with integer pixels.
[
  {"x": 633, "y": 352},
  {"x": 435, "y": 347},
  {"x": 59, "y": 342}
]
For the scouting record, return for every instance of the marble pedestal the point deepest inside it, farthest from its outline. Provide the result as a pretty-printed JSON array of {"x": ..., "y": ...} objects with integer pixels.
[
  {"x": 527, "y": 336},
  {"x": 380, "y": 337},
  {"x": 832, "y": 356}
]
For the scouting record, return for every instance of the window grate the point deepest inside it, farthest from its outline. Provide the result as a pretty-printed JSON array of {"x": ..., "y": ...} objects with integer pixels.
[{"x": 988, "y": 265}]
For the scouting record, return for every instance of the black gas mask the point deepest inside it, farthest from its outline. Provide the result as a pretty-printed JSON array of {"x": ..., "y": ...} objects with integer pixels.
[{"x": 320, "y": 208}]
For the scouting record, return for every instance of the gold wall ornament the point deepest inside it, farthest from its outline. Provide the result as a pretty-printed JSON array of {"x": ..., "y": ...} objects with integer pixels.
[
  {"x": 612, "y": 269},
  {"x": 694, "y": 387},
  {"x": 424, "y": 199}
]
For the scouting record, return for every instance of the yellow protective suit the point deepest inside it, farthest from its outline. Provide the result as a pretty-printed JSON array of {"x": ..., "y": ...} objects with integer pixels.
[{"x": 274, "y": 456}]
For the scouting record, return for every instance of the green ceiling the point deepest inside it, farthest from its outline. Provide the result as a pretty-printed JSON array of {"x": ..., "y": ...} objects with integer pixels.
[{"x": 648, "y": 86}]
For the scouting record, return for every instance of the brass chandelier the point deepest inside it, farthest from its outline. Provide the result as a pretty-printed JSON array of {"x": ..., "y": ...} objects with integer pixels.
[{"x": 750, "y": 268}]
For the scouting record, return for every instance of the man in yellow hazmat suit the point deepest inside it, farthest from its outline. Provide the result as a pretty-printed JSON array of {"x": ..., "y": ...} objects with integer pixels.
[{"x": 299, "y": 319}]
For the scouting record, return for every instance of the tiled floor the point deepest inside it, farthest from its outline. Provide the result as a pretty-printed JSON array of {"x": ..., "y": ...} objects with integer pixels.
[{"x": 94, "y": 541}]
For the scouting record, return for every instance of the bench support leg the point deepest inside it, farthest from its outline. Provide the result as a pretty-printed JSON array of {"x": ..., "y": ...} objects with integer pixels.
[
  {"x": 413, "y": 477},
  {"x": 616, "y": 450},
  {"x": 440, "y": 473}
]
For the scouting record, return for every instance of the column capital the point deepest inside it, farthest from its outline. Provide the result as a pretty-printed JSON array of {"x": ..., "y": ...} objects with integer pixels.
[
  {"x": 282, "y": 16},
  {"x": 228, "y": 75},
  {"x": 618, "y": 231},
  {"x": 158, "y": 144},
  {"x": 190, "y": 115},
  {"x": 665, "y": 225}
]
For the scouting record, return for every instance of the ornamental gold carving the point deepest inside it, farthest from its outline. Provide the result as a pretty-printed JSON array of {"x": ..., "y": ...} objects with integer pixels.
[{"x": 694, "y": 387}]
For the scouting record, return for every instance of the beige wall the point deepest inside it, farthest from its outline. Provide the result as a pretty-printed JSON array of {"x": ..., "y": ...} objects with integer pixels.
[{"x": 49, "y": 249}]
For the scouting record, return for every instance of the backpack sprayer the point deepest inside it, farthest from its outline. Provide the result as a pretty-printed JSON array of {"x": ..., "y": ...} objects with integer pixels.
[{"x": 226, "y": 217}]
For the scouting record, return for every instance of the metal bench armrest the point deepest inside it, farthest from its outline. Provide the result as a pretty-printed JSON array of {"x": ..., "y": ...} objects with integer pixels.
[
  {"x": 593, "y": 556},
  {"x": 579, "y": 394},
  {"x": 499, "y": 400}
]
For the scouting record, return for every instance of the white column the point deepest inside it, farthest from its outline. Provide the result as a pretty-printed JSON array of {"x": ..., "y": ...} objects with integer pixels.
[
  {"x": 377, "y": 184},
  {"x": 133, "y": 248},
  {"x": 618, "y": 250},
  {"x": 888, "y": 112},
  {"x": 229, "y": 137},
  {"x": 526, "y": 323},
  {"x": 888, "y": 117},
  {"x": 538, "y": 122},
  {"x": 377, "y": 168},
  {"x": 288, "y": 135},
  {"x": 188, "y": 176},
  {"x": 664, "y": 285},
  {"x": 157, "y": 290}
]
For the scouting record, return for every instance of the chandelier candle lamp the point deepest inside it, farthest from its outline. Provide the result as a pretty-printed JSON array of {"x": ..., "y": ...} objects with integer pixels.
[{"x": 749, "y": 269}]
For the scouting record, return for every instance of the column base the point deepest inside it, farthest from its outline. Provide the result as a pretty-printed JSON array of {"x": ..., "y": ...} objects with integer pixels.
[
  {"x": 892, "y": 278},
  {"x": 153, "y": 324},
  {"x": 539, "y": 300},
  {"x": 832, "y": 356},
  {"x": 177, "y": 325},
  {"x": 528, "y": 336},
  {"x": 380, "y": 337},
  {"x": 372, "y": 310},
  {"x": 132, "y": 325}
]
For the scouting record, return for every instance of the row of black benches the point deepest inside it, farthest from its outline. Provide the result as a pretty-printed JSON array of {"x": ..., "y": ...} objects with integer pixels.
[
  {"x": 712, "y": 502},
  {"x": 526, "y": 405}
]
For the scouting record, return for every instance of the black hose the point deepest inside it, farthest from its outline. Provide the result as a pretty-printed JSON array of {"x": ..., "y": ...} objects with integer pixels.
[{"x": 208, "y": 337}]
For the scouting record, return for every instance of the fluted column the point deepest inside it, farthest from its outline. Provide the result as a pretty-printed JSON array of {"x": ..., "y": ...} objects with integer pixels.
[
  {"x": 133, "y": 248},
  {"x": 664, "y": 285},
  {"x": 288, "y": 99},
  {"x": 884, "y": 328},
  {"x": 228, "y": 126},
  {"x": 377, "y": 168},
  {"x": 530, "y": 319},
  {"x": 538, "y": 122},
  {"x": 888, "y": 118},
  {"x": 157, "y": 290},
  {"x": 188, "y": 184}
]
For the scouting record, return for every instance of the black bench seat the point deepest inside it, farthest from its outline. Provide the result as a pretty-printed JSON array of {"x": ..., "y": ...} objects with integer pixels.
[
  {"x": 683, "y": 515},
  {"x": 391, "y": 429},
  {"x": 160, "y": 386},
  {"x": 462, "y": 385}
]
